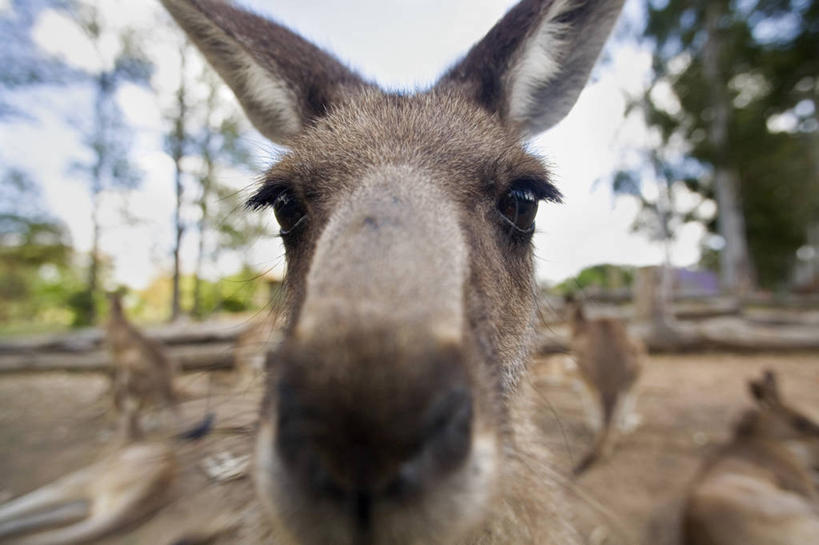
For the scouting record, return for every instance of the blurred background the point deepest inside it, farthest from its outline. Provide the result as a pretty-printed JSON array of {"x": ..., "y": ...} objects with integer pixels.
[
  {"x": 689, "y": 166},
  {"x": 124, "y": 161}
]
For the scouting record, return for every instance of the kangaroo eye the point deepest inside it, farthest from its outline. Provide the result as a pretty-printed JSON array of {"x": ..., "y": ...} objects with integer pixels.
[
  {"x": 519, "y": 207},
  {"x": 289, "y": 212}
]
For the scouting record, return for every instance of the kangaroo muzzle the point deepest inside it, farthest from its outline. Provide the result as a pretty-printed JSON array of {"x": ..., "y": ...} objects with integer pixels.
[{"x": 374, "y": 401}]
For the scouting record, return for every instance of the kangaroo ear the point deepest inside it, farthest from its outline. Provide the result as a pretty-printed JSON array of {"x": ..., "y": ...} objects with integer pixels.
[
  {"x": 765, "y": 390},
  {"x": 282, "y": 81},
  {"x": 532, "y": 65}
]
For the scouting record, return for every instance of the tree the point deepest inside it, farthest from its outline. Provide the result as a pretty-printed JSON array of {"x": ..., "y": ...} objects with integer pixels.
[
  {"x": 220, "y": 144},
  {"x": 30, "y": 239},
  {"x": 37, "y": 277},
  {"x": 177, "y": 145},
  {"x": 792, "y": 99},
  {"x": 205, "y": 124},
  {"x": 718, "y": 84},
  {"x": 661, "y": 183},
  {"x": 107, "y": 137},
  {"x": 694, "y": 34},
  {"x": 207, "y": 180}
]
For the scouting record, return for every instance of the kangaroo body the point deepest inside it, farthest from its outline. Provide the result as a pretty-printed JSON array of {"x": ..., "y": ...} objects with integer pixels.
[
  {"x": 760, "y": 488},
  {"x": 120, "y": 488},
  {"x": 143, "y": 375},
  {"x": 608, "y": 361}
]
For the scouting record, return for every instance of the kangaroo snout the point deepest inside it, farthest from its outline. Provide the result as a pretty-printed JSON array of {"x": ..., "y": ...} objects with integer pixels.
[{"x": 371, "y": 423}]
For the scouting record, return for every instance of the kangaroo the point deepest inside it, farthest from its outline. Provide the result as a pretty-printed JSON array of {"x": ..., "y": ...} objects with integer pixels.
[
  {"x": 143, "y": 375},
  {"x": 761, "y": 487},
  {"x": 398, "y": 406},
  {"x": 608, "y": 361},
  {"x": 122, "y": 487}
]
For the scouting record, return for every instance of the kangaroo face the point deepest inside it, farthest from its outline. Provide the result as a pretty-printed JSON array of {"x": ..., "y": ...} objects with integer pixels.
[
  {"x": 407, "y": 223},
  {"x": 408, "y": 247}
]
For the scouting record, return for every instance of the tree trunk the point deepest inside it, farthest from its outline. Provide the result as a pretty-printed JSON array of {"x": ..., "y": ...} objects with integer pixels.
[
  {"x": 203, "y": 225},
  {"x": 813, "y": 228},
  {"x": 178, "y": 150},
  {"x": 206, "y": 182},
  {"x": 652, "y": 296},
  {"x": 654, "y": 318},
  {"x": 94, "y": 265},
  {"x": 662, "y": 315},
  {"x": 197, "y": 275},
  {"x": 102, "y": 90},
  {"x": 175, "y": 300},
  {"x": 735, "y": 264}
]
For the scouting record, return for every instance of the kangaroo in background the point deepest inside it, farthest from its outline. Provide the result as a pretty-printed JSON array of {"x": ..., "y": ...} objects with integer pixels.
[
  {"x": 608, "y": 361},
  {"x": 120, "y": 488},
  {"x": 128, "y": 483},
  {"x": 143, "y": 374},
  {"x": 760, "y": 488},
  {"x": 400, "y": 410}
]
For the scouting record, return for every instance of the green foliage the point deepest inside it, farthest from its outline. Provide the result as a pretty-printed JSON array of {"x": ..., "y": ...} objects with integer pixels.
[
  {"x": 781, "y": 199},
  {"x": 605, "y": 276},
  {"x": 37, "y": 280},
  {"x": 240, "y": 292}
]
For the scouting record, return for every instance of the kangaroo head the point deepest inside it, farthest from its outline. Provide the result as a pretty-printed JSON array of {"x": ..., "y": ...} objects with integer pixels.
[
  {"x": 407, "y": 222},
  {"x": 775, "y": 420}
]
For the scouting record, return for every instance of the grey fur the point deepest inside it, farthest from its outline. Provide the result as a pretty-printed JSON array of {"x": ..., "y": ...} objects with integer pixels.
[
  {"x": 405, "y": 283},
  {"x": 282, "y": 81}
]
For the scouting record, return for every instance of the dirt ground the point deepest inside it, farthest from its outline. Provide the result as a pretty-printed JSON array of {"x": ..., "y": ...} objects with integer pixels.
[
  {"x": 687, "y": 405},
  {"x": 53, "y": 423}
]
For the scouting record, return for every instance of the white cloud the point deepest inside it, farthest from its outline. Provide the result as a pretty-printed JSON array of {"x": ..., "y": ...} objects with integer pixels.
[{"x": 58, "y": 35}]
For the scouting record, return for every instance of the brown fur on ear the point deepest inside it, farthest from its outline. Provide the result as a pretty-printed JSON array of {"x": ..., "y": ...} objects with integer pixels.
[
  {"x": 282, "y": 81},
  {"x": 765, "y": 391},
  {"x": 770, "y": 382},
  {"x": 531, "y": 66}
]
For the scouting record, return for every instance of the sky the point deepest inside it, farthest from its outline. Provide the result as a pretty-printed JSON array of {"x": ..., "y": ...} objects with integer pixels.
[{"x": 401, "y": 44}]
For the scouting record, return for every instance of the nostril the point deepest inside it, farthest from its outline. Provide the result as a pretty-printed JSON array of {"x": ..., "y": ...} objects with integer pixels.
[
  {"x": 323, "y": 482},
  {"x": 450, "y": 428},
  {"x": 446, "y": 443},
  {"x": 392, "y": 441},
  {"x": 406, "y": 483}
]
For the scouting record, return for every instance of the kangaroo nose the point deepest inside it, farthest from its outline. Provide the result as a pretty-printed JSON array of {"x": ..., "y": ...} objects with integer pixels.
[{"x": 374, "y": 435}]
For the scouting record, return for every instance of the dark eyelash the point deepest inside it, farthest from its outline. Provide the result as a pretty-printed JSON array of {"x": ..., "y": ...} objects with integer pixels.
[
  {"x": 544, "y": 190},
  {"x": 265, "y": 196}
]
